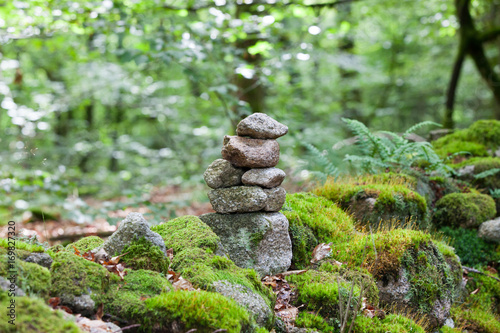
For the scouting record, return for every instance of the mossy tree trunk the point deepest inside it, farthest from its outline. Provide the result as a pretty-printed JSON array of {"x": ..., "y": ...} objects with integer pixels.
[{"x": 472, "y": 43}]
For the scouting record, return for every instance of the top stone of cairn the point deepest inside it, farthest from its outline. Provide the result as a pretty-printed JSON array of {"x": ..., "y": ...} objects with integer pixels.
[{"x": 261, "y": 126}]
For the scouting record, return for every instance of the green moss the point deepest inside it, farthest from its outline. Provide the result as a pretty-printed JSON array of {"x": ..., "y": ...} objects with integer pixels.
[
  {"x": 481, "y": 165},
  {"x": 141, "y": 254},
  {"x": 480, "y": 136},
  {"x": 466, "y": 210},
  {"x": 5, "y": 243},
  {"x": 32, "y": 278},
  {"x": 319, "y": 291},
  {"x": 314, "y": 219},
  {"x": 431, "y": 277},
  {"x": 85, "y": 244},
  {"x": 488, "y": 297},
  {"x": 392, "y": 323},
  {"x": 200, "y": 310},
  {"x": 125, "y": 299},
  {"x": 187, "y": 231},
  {"x": 392, "y": 201},
  {"x": 32, "y": 315},
  {"x": 472, "y": 250},
  {"x": 74, "y": 276},
  {"x": 314, "y": 320},
  {"x": 475, "y": 319},
  {"x": 256, "y": 238}
]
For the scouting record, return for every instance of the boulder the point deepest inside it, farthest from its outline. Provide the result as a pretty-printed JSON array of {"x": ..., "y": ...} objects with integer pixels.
[
  {"x": 133, "y": 227},
  {"x": 275, "y": 199},
  {"x": 490, "y": 230},
  {"x": 254, "y": 240},
  {"x": 265, "y": 177},
  {"x": 42, "y": 259},
  {"x": 250, "y": 153},
  {"x": 238, "y": 199},
  {"x": 250, "y": 300},
  {"x": 221, "y": 173},
  {"x": 261, "y": 126}
]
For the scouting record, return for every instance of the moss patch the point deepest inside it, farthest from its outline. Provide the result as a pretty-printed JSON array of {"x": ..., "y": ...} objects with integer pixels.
[
  {"x": 472, "y": 250},
  {"x": 5, "y": 243},
  {"x": 477, "y": 139},
  {"x": 392, "y": 323},
  {"x": 200, "y": 310},
  {"x": 481, "y": 165},
  {"x": 466, "y": 210},
  {"x": 32, "y": 315},
  {"x": 314, "y": 219},
  {"x": 141, "y": 254},
  {"x": 85, "y": 244},
  {"x": 125, "y": 299},
  {"x": 187, "y": 231},
  {"x": 32, "y": 278},
  {"x": 75, "y": 276},
  {"x": 475, "y": 319},
  {"x": 388, "y": 201}
]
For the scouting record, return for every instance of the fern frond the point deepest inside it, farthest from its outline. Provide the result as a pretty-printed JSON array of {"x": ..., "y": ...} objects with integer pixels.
[
  {"x": 487, "y": 173},
  {"x": 418, "y": 126},
  {"x": 396, "y": 139},
  {"x": 329, "y": 168},
  {"x": 369, "y": 143}
]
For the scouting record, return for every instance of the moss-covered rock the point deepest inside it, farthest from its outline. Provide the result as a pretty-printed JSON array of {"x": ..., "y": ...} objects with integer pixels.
[
  {"x": 376, "y": 203},
  {"x": 32, "y": 315},
  {"x": 466, "y": 210},
  {"x": 187, "y": 232},
  {"x": 33, "y": 279},
  {"x": 80, "y": 283},
  {"x": 393, "y": 323},
  {"x": 180, "y": 311},
  {"x": 480, "y": 138},
  {"x": 475, "y": 319},
  {"x": 312, "y": 219},
  {"x": 483, "y": 172},
  {"x": 85, "y": 244},
  {"x": 125, "y": 299},
  {"x": 142, "y": 254},
  {"x": 194, "y": 245}
]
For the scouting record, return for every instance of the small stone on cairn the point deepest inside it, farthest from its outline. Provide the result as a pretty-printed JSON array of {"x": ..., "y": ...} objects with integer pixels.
[{"x": 247, "y": 197}]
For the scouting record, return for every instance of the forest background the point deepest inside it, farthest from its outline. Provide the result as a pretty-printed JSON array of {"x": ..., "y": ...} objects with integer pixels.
[{"x": 104, "y": 103}]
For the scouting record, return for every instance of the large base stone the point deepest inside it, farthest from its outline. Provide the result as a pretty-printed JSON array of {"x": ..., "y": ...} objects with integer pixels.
[{"x": 254, "y": 240}]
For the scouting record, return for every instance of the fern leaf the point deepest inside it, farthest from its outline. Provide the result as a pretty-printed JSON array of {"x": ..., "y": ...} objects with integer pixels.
[
  {"x": 487, "y": 173},
  {"x": 418, "y": 126}
]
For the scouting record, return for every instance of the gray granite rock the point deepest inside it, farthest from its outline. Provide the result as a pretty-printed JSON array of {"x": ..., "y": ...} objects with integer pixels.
[
  {"x": 238, "y": 199},
  {"x": 248, "y": 299},
  {"x": 250, "y": 153},
  {"x": 490, "y": 230},
  {"x": 42, "y": 259},
  {"x": 133, "y": 227},
  {"x": 264, "y": 177},
  {"x": 254, "y": 240},
  {"x": 275, "y": 199},
  {"x": 10, "y": 287},
  {"x": 221, "y": 173},
  {"x": 261, "y": 126},
  {"x": 82, "y": 304}
]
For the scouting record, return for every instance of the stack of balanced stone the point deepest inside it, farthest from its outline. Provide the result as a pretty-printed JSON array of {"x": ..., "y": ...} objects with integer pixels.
[{"x": 247, "y": 197}]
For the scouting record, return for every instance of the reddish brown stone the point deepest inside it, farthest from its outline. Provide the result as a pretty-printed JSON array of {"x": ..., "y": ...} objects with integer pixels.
[{"x": 250, "y": 153}]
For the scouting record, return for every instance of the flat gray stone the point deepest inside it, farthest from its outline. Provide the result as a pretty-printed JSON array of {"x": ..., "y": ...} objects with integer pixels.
[
  {"x": 133, "y": 227},
  {"x": 248, "y": 299},
  {"x": 264, "y": 177},
  {"x": 250, "y": 153},
  {"x": 254, "y": 240},
  {"x": 221, "y": 173},
  {"x": 42, "y": 259},
  {"x": 275, "y": 199},
  {"x": 490, "y": 230},
  {"x": 83, "y": 304},
  {"x": 238, "y": 199},
  {"x": 261, "y": 126}
]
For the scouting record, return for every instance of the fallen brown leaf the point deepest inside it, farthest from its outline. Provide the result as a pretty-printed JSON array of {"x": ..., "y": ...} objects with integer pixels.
[{"x": 320, "y": 252}]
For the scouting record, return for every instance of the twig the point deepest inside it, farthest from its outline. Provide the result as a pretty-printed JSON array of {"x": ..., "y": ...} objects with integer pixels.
[
  {"x": 358, "y": 306},
  {"x": 129, "y": 327},
  {"x": 344, "y": 322},
  {"x": 473, "y": 270}
]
